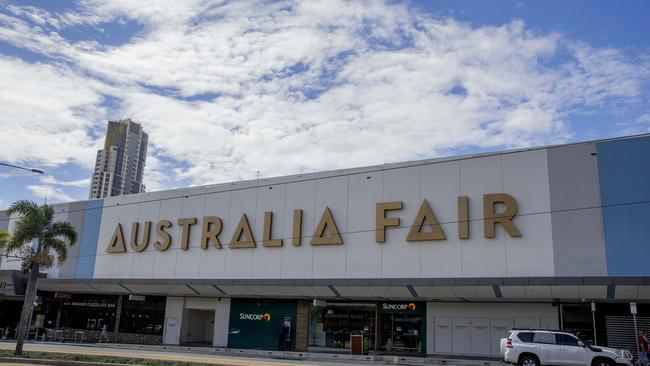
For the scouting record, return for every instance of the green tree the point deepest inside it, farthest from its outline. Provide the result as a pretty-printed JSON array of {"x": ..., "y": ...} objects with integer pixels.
[{"x": 36, "y": 224}]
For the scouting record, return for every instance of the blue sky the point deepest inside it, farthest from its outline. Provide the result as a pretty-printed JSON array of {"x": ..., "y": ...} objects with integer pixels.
[{"x": 226, "y": 90}]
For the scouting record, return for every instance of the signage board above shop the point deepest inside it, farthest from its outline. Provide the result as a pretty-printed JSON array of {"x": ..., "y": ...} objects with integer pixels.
[
  {"x": 466, "y": 218},
  {"x": 424, "y": 227}
]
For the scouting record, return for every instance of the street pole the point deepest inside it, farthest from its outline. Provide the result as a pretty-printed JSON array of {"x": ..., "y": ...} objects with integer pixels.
[
  {"x": 636, "y": 334},
  {"x": 37, "y": 171},
  {"x": 636, "y": 330},
  {"x": 593, "y": 321}
]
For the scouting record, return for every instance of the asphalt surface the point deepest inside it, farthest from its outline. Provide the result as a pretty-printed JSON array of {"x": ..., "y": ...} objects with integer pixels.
[{"x": 98, "y": 350}]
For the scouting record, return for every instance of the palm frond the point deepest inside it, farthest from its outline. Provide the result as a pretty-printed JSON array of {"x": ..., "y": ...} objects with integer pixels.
[
  {"x": 18, "y": 240},
  {"x": 23, "y": 233},
  {"x": 59, "y": 246},
  {"x": 4, "y": 238},
  {"x": 23, "y": 208},
  {"x": 46, "y": 214},
  {"x": 62, "y": 229},
  {"x": 43, "y": 259}
]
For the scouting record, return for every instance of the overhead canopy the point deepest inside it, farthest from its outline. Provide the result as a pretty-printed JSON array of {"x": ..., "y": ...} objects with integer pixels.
[{"x": 449, "y": 289}]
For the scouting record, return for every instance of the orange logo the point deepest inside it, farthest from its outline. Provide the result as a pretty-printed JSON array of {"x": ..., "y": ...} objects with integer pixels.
[
  {"x": 411, "y": 306},
  {"x": 266, "y": 317}
]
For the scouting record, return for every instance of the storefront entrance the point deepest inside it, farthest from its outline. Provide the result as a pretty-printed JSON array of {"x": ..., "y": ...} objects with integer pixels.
[
  {"x": 401, "y": 327},
  {"x": 198, "y": 327},
  {"x": 389, "y": 327},
  {"x": 332, "y": 324},
  {"x": 9, "y": 317},
  {"x": 401, "y": 333}
]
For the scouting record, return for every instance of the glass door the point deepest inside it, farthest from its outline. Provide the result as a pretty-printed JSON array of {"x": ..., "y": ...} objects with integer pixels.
[
  {"x": 401, "y": 333},
  {"x": 332, "y": 325}
]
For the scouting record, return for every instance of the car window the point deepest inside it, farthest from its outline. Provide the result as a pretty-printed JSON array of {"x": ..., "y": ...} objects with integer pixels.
[
  {"x": 526, "y": 337},
  {"x": 543, "y": 337},
  {"x": 566, "y": 339}
]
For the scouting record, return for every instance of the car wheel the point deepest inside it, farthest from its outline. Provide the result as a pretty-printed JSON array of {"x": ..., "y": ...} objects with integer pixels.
[
  {"x": 529, "y": 360},
  {"x": 602, "y": 362}
]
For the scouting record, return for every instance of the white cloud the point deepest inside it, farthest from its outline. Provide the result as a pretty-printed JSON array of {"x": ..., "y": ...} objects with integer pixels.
[
  {"x": 297, "y": 86},
  {"x": 46, "y": 113},
  {"x": 52, "y": 194},
  {"x": 48, "y": 179},
  {"x": 644, "y": 119}
]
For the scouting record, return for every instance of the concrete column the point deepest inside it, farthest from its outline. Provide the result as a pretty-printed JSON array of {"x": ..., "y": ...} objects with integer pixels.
[
  {"x": 302, "y": 326},
  {"x": 221, "y": 323},
  {"x": 118, "y": 315},
  {"x": 173, "y": 320}
]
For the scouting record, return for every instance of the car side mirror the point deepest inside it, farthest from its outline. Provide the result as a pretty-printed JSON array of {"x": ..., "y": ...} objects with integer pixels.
[{"x": 581, "y": 343}]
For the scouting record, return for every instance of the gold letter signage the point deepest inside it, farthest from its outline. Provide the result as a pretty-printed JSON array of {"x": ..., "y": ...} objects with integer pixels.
[
  {"x": 383, "y": 222},
  {"x": 134, "y": 236},
  {"x": 498, "y": 209},
  {"x": 163, "y": 235},
  {"x": 116, "y": 245},
  {"x": 243, "y": 236},
  {"x": 326, "y": 224},
  {"x": 424, "y": 218},
  {"x": 505, "y": 218},
  {"x": 210, "y": 232}
]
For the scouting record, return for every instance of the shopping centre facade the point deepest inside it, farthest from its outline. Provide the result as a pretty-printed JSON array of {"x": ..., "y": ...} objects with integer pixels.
[{"x": 438, "y": 256}]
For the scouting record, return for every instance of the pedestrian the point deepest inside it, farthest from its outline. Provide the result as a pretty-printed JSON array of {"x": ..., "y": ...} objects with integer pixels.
[
  {"x": 643, "y": 348},
  {"x": 104, "y": 334}
]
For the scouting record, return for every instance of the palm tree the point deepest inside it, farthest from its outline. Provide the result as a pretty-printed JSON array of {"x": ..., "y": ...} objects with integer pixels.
[{"x": 36, "y": 223}]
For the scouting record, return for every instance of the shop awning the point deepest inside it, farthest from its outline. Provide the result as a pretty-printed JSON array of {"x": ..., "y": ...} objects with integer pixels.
[{"x": 447, "y": 289}]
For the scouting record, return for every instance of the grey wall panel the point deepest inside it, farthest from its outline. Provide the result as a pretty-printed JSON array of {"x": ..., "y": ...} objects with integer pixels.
[
  {"x": 578, "y": 241},
  {"x": 573, "y": 176},
  {"x": 76, "y": 217}
]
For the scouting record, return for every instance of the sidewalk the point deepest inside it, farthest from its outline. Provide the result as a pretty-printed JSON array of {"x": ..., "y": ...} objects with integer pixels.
[{"x": 237, "y": 357}]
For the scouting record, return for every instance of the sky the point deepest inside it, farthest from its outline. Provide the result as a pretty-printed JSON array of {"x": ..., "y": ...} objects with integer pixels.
[{"x": 231, "y": 91}]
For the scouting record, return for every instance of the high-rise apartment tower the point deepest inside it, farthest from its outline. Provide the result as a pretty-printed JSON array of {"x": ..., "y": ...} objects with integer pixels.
[{"x": 119, "y": 166}]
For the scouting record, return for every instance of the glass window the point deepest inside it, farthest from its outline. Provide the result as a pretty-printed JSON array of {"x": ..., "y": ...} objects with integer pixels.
[
  {"x": 566, "y": 340},
  {"x": 526, "y": 337},
  {"x": 143, "y": 317},
  {"x": 577, "y": 319},
  {"x": 89, "y": 312},
  {"x": 400, "y": 332},
  {"x": 544, "y": 337},
  {"x": 331, "y": 325},
  {"x": 9, "y": 315}
]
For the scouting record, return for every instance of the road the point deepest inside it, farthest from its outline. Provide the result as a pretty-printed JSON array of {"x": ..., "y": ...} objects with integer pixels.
[{"x": 165, "y": 355}]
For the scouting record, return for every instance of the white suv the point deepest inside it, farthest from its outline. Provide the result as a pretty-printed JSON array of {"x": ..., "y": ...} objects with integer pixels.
[{"x": 528, "y": 347}]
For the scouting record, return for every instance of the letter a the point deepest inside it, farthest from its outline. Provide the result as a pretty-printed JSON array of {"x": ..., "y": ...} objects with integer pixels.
[
  {"x": 243, "y": 236},
  {"x": 326, "y": 223},
  {"x": 424, "y": 217},
  {"x": 116, "y": 245}
]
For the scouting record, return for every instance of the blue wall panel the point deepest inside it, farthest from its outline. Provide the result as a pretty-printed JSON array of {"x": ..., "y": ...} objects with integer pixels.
[
  {"x": 624, "y": 172},
  {"x": 89, "y": 239}
]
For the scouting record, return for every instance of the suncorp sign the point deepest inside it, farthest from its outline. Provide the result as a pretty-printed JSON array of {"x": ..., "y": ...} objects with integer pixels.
[
  {"x": 265, "y": 316},
  {"x": 398, "y": 307}
]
